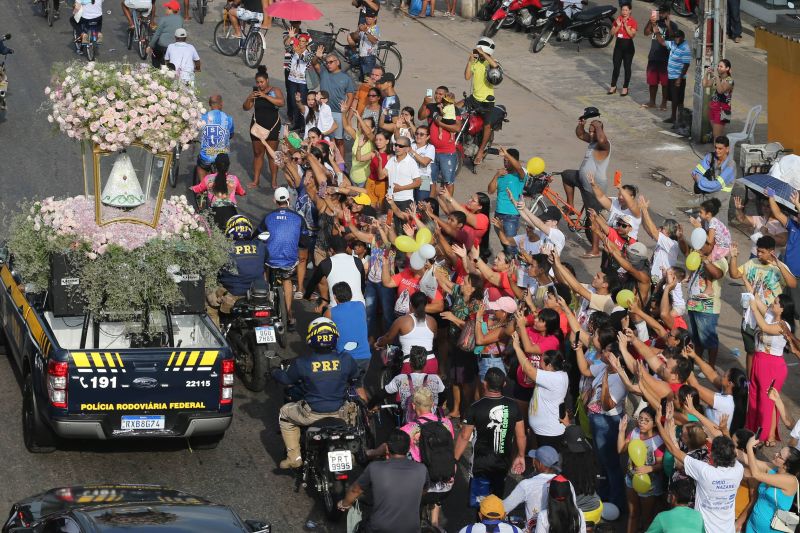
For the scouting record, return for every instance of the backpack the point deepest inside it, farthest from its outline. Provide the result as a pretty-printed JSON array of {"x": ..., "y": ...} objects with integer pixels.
[{"x": 436, "y": 449}]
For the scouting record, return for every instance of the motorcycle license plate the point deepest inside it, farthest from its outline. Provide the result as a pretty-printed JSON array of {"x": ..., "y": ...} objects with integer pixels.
[
  {"x": 265, "y": 334},
  {"x": 340, "y": 461},
  {"x": 142, "y": 422}
]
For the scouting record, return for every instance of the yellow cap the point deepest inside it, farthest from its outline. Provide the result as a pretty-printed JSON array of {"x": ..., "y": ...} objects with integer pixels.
[{"x": 492, "y": 507}]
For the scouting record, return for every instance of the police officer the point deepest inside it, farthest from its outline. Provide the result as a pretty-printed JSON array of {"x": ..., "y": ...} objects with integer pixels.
[
  {"x": 249, "y": 255},
  {"x": 323, "y": 375}
]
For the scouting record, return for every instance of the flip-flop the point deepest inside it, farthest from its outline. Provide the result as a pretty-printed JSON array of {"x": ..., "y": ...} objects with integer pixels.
[
  {"x": 587, "y": 255},
  {"x": 252, "y": 185},
  {"x": 648, "y": 106}
]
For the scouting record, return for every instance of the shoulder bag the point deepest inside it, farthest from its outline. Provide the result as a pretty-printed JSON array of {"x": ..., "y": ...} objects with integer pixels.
[{"x": 786, "y": 521}]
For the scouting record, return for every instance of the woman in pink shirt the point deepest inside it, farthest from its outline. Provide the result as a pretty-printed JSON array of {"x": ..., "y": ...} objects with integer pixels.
[
  {"x": 220, "y": 191},
  {"x": 543, "y": 336}
]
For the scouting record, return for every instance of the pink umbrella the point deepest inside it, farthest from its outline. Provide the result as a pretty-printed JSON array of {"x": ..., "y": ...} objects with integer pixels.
[{"x": 294, "y": 10}]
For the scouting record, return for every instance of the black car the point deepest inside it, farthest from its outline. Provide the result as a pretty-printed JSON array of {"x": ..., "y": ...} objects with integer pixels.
[{"x": 124, "y": 508}]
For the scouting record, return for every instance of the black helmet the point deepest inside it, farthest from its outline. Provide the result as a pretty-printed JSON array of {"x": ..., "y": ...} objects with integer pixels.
[
  {"x": 494, "y": 75},
  {"x": 590, "y": 112}
]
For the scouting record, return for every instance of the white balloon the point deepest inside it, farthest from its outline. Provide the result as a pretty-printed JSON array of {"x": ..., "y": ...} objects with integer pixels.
[
  {"x": 610, "y": 511},
  {"x": 698, "y": 238},
  {"x": 417, "y": 261},
  {"x": 427, "y": 251}
]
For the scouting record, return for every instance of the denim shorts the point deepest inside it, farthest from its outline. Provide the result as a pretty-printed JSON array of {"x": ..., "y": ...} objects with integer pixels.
[
  {"x": 443, "y": 169},
  {"x": 485, "y": 363},
  {"x": 704, "y": 329},
  {"x": 339, "y": 133}
]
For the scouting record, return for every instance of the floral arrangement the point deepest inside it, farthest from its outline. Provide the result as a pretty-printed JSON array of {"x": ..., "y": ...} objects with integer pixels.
[
  {"x": 124, "y": 268},
  {"x": 117, "y": 104}
]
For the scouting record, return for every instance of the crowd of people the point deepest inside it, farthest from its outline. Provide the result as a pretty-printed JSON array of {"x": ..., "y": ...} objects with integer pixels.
[{"x": 600, "y": 394}]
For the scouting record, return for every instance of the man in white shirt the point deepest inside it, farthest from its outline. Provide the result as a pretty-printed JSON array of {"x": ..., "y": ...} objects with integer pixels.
[
  {"x": 716, "y": 485},
  {"x": 403, "y": 175},
  {"x": 546, "y": 226},
  {"x": 624, "y": 204},
  {"x": 423, "y": 152},
  {"x": 183, "y": 56}
]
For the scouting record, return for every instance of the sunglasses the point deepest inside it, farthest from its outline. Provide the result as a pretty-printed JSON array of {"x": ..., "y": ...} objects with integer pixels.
[
  {"x": 621, "y": 224},
  {"x": 298, "y": 159},
  {"x": 329, "y": 61},
  {"x": 420, "y": 134},
  {"x": 373, "y": 95},
  {"x": 401, "y": 145}
]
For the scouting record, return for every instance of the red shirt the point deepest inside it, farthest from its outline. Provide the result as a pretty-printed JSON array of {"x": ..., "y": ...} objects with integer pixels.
[
  {"x": 614, "y": 237},
  {"x": 445, "y": 145},
  {"x": 431, "y": 365},
  {"x": 544, "y": 342},
  {"x": 373, "y": 166},
  {"x": 407, "y": 281},
  {"x": 621, "y": 33}
]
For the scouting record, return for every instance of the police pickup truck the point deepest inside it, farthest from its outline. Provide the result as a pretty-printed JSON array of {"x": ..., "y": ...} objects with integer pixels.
[{"x": 88, "y": 378}]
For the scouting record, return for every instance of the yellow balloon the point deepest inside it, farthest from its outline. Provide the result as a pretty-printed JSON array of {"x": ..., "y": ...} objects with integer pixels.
[
  {"x": 406, "y": 244},
  {"x": 424, "y": 236},
  {"x": 693, "y": 261},
  {"x": 641, "y": 483},
  {"x": 637, "y": 451},
  {"x": 625, "y": 298},
  {"x": 535, "y": 166}
]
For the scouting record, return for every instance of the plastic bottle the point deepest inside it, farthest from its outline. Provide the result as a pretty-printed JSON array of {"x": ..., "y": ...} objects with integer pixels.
[{"x": 736, "y": 352}]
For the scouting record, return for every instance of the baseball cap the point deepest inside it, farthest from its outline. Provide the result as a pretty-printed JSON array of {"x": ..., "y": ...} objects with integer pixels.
[
  {"x": 362, "y": 199},
  {"x": 485, "y": 45},
  {"x": 550, "y": 213},
  {"x": 590, "y": 112},
  {"x": 559, "y": 488},
  {"x": 492, "y": 507},
  {"x": 281, "y": 194},
  {"x": 180, "y": 33},
  {"x": 387, "y": 76},
  {"x": 504, "y": 303},
  {"x": 575, "y": 441},
  {"x": 173, "y": 5},
  {"x": 627, "y": 219},
  {"x": 547, "y": 455},
  {"x": 637, "y": 252}
]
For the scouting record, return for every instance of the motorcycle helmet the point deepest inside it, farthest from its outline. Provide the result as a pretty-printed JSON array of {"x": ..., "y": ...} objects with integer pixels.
[
  {"x": 494, "y": 75},
  {"x": 322, "y": 334},
  {"x": 485, "y": 45},
  {"x": 239, "y": 228}
]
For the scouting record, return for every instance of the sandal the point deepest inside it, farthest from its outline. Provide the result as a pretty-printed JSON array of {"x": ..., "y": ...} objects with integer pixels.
[
  {"x": 624, "y": 92},
  {"x": 587, "y": 255},
  {"x": 649, "y": 106},
  {"x": 612, "y": 90}
]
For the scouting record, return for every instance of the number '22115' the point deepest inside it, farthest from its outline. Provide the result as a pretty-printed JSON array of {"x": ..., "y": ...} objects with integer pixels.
[{"x": 198, "y": 383}]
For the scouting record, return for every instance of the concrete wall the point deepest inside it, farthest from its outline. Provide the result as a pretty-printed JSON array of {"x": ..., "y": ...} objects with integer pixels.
[{"x": 783, "y": 82}]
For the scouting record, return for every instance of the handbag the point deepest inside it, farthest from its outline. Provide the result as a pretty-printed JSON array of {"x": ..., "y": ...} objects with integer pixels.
[
  {"x": 786, "y": 521},
  {"x": 466, "y": 341}
]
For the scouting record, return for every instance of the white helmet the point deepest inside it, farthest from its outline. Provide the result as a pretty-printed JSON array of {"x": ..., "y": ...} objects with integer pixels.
[{"x": 486, "y": 46}]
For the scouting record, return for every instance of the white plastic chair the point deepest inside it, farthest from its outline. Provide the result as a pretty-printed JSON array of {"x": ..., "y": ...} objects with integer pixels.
[{"x": 747, "y": 132}]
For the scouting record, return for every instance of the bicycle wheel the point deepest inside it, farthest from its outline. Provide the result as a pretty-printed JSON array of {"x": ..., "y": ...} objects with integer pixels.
[
  {"x": 226, "y": 43},
  {"x": 131, "y": 32},
  {"x": 391, "y": 60},
  {"x": 143, "y": 39},
  {"x": 51, "y": 12},
  {"x": 253, "y": 49},
  {"x": 201, "y": 10},
  {"x": 91, "y": 50}
]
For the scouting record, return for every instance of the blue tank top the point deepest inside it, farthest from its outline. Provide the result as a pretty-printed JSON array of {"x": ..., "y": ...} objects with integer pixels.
[
  {"x": 351, "y": 320},
  {"x": 769, "y": 500},
  {"x": 284, "y": 226}
]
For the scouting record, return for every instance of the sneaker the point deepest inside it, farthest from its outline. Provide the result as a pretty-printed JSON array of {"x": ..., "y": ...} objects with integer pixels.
[
  {"x": 298, "y": 295},
  {"x": 291, "y": 463}
]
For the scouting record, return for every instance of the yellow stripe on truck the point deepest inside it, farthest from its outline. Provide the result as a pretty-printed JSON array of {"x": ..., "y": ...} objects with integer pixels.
[
  {"x": 18, "y": 297},
  {"x": 80, "y": 359},
  {"x": 208, "y": 358}
]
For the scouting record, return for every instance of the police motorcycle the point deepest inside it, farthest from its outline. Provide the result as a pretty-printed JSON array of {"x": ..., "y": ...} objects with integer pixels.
[
  {"x": 593, "y": 24},
  {"x": 333, "y": 449},
  {"x": 252, "y": 326}
]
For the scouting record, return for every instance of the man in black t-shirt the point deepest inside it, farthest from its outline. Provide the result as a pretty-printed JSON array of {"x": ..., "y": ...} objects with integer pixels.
[
  {"x": 659, "y": 54},
  {"x": 497, "y": 431}
]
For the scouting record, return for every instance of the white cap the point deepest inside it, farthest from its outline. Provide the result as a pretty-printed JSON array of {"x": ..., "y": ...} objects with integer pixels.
[
  {"x": 180, "y": 33},
  {"x": 281, "y": 194}
]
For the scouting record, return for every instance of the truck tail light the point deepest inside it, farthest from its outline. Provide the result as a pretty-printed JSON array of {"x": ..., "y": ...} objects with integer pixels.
[
  {"x": 57, "y": 383},
  {"x": 226, "y": 383}
]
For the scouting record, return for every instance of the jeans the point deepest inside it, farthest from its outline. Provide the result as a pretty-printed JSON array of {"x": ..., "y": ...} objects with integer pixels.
[
  {"x": 296, "y": 121},
  {"x": 367, "y": 63},
  {"x": 485, "y": 363},
  {"x": 604, "y": 432},
  {"x": 443, "y": 168},
  {"x": 420, "y": 195},
  {"x": 510, "y": 227},
  {"x": 623, "y": 56},
  {"x": 734, "y": 19},
  {"x": 703, "y": 327},
  {"x": 376, "y": 294}
]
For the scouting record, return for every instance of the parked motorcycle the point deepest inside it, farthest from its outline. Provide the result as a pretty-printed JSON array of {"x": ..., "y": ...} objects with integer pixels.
[
  {"x": 469, "y": 138},
  {"x": 488, "y": 9},
  {"x": 3, "y": 74},
  {"x": 520, "y": 14},
  {"x": 593, "y": 24},
  {"x": 250, "y": 331}
]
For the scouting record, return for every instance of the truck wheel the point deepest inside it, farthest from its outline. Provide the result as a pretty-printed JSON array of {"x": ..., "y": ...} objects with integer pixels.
[
  {"x": 206, "y": 442},
  {"x": 37, "y": 436}
]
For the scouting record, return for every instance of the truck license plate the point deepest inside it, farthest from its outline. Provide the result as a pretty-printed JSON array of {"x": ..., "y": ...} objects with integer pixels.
[
  {"x": 340, "y": 461},
  {"x": 265, "y": 334},
  {"x": 143, "y": 422}
]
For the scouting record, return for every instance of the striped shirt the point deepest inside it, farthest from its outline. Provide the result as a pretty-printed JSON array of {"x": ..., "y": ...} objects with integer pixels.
[{"x": 679, "y": 55}]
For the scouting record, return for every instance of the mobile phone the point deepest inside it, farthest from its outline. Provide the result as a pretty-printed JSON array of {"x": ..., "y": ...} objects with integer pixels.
[
  {"x": 617, "y": 178},
  {"x": 757, "y": 434},
  {"x": 429, "y": 93},
  {"x": 255, "y": 89},
  {"x": 493, "y": 151},
  {"x": 771, "y": 384}
]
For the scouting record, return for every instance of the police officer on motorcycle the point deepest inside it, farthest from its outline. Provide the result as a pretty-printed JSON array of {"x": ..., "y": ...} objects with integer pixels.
[
  {"x": 249, "y": 255},
  {"x": 324, "y": 375}
]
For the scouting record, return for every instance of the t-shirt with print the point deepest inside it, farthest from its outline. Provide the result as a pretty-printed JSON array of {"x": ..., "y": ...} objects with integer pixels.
[
  {"x": 654, "y": 446},
  {"x": 617, "y": 211},
  {"x": 551, "y": 389},
  {"x": 509, "y": 182},
  {"x": 365, "y": 46},
  {"x": 494, "y": 421},
  {"x": 665, "y": 255},
  {"x": 408, "y": 282},
  {"x": 767, "y": 283},
  {"x": 545, "y": 343},
  {"x": 772, "y": 227},
  {"x": 216, "y": 134},
  {"x": 413, "y": 431},
  {"x": 792, "y": 254},
  {"x": 596, "y": 302},
  {"x": 399, "y": 385},
  {"x": 425, "y": 172},
  {"x": 616, "y": 388},
  {"x": 716, "y": 493},
  {"x": 704, "y": 294},
  {"x": 533, "y": 492},
  {"x": 390, "y": 107}
]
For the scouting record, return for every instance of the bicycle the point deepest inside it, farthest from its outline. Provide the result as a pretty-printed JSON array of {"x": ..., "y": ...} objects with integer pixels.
[
  {"x": 538, "y": 188},
  {"x": 388, "y": 57},
  {"x": 253, "y": 41},
  {"x": 90, "y": 27},
  {"x": 140, "y": 33},
  {"x": 202, "y": 10},
  {"x": 47, "y": 10}
]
